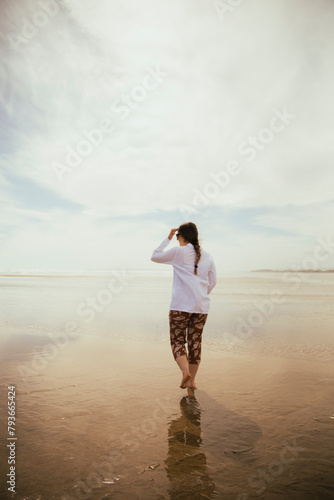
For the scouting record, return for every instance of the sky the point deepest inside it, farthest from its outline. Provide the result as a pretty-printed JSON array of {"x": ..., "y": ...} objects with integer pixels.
[{"x": 123, "y": 119}]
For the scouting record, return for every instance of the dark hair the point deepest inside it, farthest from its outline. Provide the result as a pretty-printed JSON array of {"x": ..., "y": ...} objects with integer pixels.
[{"x": 189, "y": 232}]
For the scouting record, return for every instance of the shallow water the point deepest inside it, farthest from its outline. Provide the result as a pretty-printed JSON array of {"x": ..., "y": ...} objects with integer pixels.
[
  {"x": 100, "y": 414},
  {"x": 261, "y": 312}
]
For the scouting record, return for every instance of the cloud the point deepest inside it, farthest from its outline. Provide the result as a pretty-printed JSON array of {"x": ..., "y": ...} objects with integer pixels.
[{"x": 222, "y": 82}]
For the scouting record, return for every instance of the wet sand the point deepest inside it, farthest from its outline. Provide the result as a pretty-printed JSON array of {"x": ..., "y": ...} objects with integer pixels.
[{"x": 104, "y": 418}]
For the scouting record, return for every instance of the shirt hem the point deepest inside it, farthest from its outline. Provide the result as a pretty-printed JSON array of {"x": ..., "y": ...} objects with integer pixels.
[{"x": 187, "y": 311}]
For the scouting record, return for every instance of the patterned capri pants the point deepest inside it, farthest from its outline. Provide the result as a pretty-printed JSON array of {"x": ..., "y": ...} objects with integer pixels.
[{"x": 186, "y": 328}]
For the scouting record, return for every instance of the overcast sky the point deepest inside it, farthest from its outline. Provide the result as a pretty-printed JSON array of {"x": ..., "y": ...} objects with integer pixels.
[{"x": 121, "y": 119}]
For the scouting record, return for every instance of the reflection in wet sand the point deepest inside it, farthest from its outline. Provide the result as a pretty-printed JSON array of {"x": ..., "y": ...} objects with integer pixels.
[
  {"x": 207, "y": 436},
  {"x": 186, "y": 464}
]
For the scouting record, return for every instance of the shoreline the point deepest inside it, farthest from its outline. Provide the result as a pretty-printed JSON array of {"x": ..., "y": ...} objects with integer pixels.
[{"x": 156, "y": 274}]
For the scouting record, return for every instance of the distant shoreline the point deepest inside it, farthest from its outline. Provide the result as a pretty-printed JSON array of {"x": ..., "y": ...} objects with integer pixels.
[{"x": 292, "y": 271}]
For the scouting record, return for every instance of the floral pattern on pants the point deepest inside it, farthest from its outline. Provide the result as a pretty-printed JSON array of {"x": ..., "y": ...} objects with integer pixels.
[{"x": 186, "y": 328}]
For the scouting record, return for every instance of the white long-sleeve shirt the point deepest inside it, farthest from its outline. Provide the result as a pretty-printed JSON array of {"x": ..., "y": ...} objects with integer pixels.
[{"x": 190, "y": 292}]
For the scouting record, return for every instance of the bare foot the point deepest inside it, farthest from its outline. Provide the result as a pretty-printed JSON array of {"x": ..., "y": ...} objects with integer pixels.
[{"x": 184, "y": 381}]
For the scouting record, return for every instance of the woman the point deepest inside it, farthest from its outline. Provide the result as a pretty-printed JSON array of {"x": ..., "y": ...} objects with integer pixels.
[{"x": 194, "y": 277}]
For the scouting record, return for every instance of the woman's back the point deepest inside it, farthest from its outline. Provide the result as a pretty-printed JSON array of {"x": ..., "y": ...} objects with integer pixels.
[{"x": 190, "y": 291}]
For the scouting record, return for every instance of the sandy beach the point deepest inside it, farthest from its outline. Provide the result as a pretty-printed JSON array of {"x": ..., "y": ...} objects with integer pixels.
[{"x": 99, "y": 411}]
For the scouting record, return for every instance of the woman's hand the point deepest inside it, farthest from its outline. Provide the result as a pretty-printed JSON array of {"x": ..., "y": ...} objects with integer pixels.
[{"x": 172, "y": 232}]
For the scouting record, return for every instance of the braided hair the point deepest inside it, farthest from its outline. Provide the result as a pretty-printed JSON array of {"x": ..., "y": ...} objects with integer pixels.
[{"x": 189, "y": 232}]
